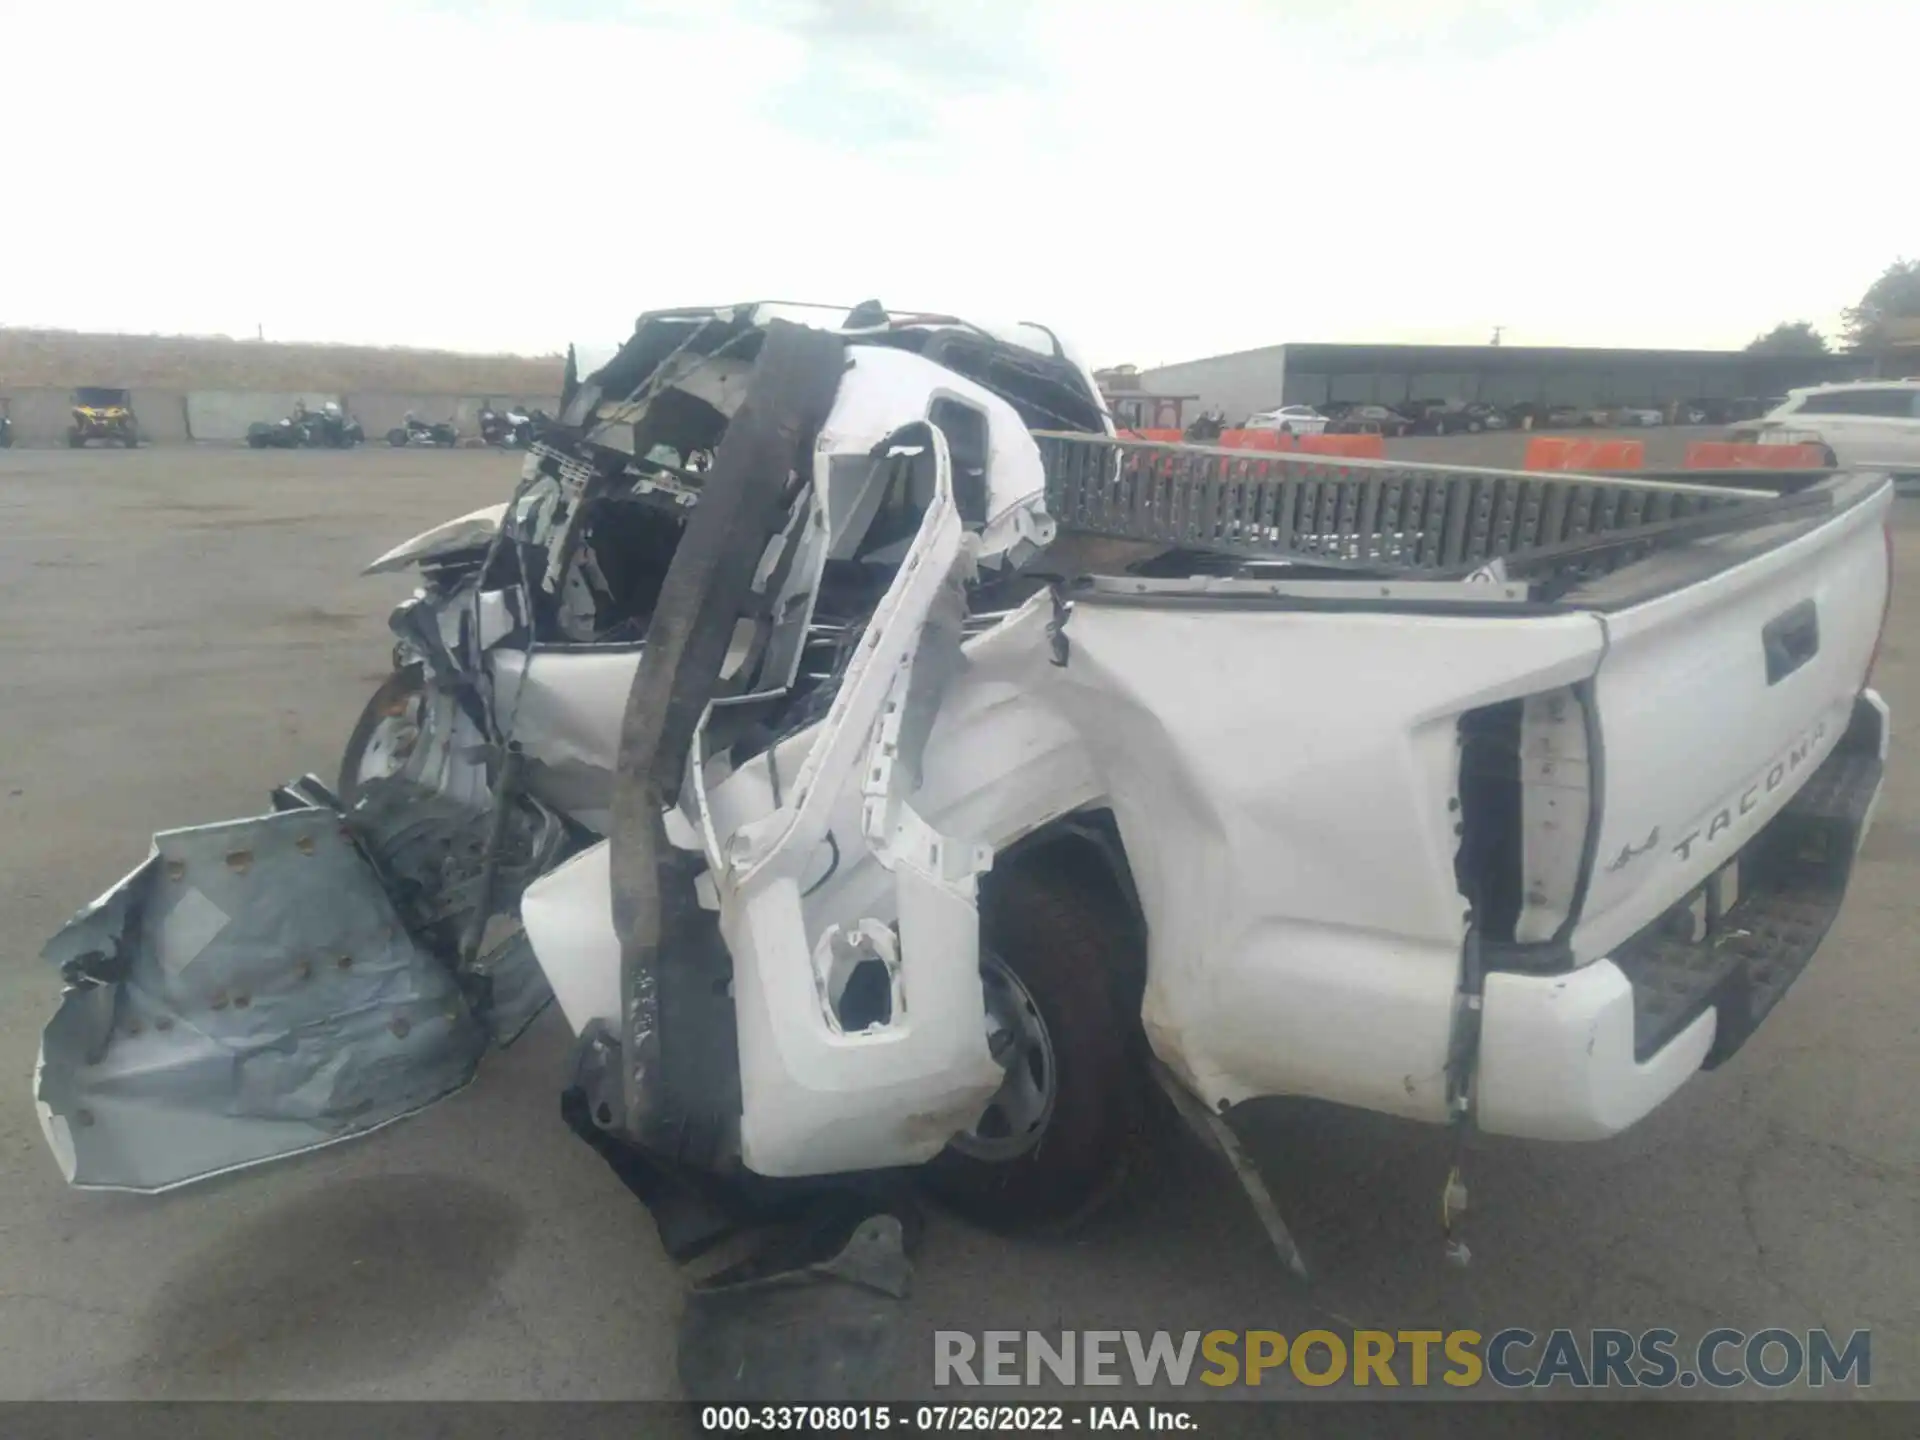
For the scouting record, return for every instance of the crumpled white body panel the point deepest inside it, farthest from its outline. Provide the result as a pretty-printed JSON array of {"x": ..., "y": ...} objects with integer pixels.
[{"x": 1293, "y": 851}]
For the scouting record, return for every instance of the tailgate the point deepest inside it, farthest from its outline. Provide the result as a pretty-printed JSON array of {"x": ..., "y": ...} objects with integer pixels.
[{"x": 1715, "y": 704}]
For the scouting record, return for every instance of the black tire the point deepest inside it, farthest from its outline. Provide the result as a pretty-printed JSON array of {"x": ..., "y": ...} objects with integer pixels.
[
  {"x": 397, "y": 436},
  {"x": 398, "y": 687},
  {"x": 75, "y": 441},
  {"x": 1061, "y": 938}
]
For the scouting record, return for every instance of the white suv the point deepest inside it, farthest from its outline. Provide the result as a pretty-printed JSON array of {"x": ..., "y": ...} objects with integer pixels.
[{"x": 1871, "y": 425}]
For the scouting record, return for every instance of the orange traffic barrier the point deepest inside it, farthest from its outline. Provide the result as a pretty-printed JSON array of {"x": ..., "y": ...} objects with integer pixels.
[
  {"x": 1354, "y": 447},
  {"x": 1725, "y": 455},
  {"x": 1255, "y": 440},
  {"x": 1547, "y": 452},
  {"x": 1570, "y": 452}
]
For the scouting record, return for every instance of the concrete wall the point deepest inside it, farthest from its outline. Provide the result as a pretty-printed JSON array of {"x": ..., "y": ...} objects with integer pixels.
[
  {"x": 42, "y": 416},
  {"x": 162, "y": 415},
  {"x": 226, "y": 414}
]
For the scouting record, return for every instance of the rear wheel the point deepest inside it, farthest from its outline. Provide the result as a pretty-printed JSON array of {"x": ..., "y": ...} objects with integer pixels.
[
  {"x": 75, "y": 440},
  {"x": 397, "y": 436},
  {"x": 1053, "y": 1143}
]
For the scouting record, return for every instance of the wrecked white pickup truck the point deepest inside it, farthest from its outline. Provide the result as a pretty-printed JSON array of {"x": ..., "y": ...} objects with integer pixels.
[{"x": 884, "y": 764}]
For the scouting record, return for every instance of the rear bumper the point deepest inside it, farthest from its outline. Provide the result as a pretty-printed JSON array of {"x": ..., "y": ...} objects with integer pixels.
[{"x": 1583, "y": 1055}]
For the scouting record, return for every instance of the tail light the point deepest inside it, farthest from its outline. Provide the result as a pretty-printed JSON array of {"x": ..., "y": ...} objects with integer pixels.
[
  {"x": 1526, "y": 806},
  {"x": 1886, "y": 609}
]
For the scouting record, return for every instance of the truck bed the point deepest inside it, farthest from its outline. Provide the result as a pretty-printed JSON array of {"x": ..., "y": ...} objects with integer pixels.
[
  {"x": 1672, "y": 818},
  {"x": 1431, "y": 521}
]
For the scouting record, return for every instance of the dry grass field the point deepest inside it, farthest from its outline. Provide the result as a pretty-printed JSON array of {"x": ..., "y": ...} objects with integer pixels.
[{"x": 57, "y": 359}]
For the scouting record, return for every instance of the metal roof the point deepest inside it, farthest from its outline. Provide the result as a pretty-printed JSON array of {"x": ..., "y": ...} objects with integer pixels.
[{"x": 1315, "y": 356}]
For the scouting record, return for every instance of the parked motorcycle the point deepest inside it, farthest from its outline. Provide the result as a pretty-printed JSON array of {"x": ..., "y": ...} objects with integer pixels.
[
  {"x": 329, "y": 427},
  {"x": 333, "y": 429},
  {"x": 6, "y": 432},
  {"x": 430, "y": 433},
  {"x": 508, "y": 429},
  {"x": 1207, "y": 428},
  {"x": 276, "y": 435}
]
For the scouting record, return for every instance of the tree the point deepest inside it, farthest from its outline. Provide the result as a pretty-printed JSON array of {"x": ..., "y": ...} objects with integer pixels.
[
  {"x": 1789, "y": 337},
  {"x": 1894, "y": 296}
]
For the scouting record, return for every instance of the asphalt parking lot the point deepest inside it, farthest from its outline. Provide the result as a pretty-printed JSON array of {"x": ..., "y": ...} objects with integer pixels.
[{"x": 183, "y": 628}]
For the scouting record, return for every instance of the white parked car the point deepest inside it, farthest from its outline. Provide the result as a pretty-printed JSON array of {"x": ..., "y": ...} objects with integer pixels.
[
  {"x": 1639, "y": 415},
  {"x": 1867, "y": 425},
  {"x": 1289, "y": 420}
]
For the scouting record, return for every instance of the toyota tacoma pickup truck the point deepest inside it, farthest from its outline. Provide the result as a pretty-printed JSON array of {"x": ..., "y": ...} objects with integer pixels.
[{"x": 886, "y": 767}]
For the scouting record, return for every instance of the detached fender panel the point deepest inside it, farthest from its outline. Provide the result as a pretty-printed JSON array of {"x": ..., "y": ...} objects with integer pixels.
[{"x": 247, "y": 994}]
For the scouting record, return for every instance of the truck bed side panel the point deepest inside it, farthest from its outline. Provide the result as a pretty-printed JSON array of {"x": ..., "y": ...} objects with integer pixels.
[{"x": 1286, "y": 785}]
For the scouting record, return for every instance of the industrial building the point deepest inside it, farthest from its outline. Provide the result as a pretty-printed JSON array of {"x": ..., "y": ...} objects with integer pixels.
[{"x": 1250, "y": 381}]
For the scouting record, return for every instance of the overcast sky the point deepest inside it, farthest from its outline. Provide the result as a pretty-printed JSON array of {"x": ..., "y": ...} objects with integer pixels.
[{"x": 1156, "y": 182}]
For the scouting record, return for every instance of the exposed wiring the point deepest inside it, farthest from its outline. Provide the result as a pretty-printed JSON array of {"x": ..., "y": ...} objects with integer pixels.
[{"x": 832, "y": 865}]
